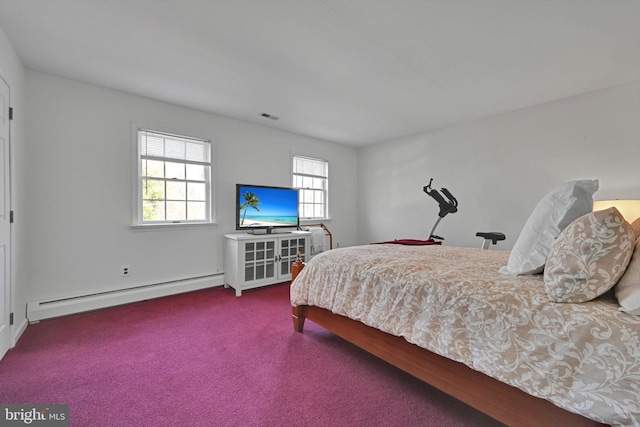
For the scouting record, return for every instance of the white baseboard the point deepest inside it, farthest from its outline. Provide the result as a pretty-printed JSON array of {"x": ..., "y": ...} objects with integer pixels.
[
  {"x": 46, "y": 309},
  {"x": 18, "y": 331}
]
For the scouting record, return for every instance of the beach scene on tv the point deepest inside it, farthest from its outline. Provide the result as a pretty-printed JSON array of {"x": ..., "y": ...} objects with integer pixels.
[{"x": 267, "y": 207}]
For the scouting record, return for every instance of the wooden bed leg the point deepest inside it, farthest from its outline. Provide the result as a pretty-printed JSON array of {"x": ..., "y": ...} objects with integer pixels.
[{"x": 298, "y": 318}]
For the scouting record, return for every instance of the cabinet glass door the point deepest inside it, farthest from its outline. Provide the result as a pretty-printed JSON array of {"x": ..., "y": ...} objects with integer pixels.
[
  {"x": 259, "y": 260},
  {"x": 289, "y": 249}
]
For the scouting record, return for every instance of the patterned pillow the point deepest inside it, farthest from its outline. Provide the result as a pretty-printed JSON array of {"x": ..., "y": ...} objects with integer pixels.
[
  {"x": 628, "y": 287},
  {"x": 589, "y": 257}
]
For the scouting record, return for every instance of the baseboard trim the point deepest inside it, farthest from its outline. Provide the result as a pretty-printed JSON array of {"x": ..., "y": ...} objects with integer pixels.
[
  {"x": 46, "y": 309},
  {"x": 18, "y": 331}
]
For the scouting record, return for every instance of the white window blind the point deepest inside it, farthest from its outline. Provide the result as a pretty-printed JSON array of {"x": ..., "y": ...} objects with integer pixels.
[
  {"x": 311, "y": 178},
  {"x": 174, "y": 178}
]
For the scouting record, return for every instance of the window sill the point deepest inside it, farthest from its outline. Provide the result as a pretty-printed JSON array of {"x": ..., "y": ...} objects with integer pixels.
[
  {"x": 172, "y": 226},
  {"x": 313, "y": 221}
]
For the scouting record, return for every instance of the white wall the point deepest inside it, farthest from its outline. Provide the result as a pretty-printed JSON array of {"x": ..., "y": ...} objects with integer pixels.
[
  {"x": 73, "y": 197},
  {"x": 12, "y": 71},
  {"x": 80, "y": 173},
  {"x": 499, "y": 167}
]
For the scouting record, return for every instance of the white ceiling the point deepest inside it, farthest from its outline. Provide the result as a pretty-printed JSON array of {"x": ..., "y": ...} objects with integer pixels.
[{"x": 349, "y": 71}]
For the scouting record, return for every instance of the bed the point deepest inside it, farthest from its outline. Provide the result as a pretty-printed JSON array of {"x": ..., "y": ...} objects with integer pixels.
[{"x": 449, "y": 317}]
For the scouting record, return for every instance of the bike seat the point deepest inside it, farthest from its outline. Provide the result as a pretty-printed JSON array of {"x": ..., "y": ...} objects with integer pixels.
[{"x": 494, "y": 236}]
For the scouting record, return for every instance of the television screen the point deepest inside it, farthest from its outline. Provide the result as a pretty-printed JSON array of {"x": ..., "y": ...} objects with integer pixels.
[{"x": 262, "y": 207}]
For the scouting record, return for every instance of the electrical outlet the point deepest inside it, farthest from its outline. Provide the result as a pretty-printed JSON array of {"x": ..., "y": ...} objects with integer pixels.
[
  {"x": 125, "y": 271},
  {"x": 337, "y": 244}
]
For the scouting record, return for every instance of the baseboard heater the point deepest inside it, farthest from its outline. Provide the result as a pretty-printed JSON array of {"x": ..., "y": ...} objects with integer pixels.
[{"x": 46, "y": 309}]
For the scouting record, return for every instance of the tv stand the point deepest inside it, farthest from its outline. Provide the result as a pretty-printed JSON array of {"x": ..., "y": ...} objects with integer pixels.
[
  {"x": 270, "y": 230},
  {"x": 255, "y": 260}
]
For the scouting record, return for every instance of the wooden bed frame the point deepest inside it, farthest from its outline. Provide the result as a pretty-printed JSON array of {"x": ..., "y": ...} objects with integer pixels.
[{"x": 500, "y": 401}]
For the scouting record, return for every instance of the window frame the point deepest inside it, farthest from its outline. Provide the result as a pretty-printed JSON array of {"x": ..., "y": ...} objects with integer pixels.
[
  {"x": 138, "y": 158},
  {"x": 325, "y": 191}
]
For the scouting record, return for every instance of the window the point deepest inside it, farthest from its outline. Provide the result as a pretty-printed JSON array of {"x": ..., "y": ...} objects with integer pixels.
[
  {"x": 174, "y": 179},
  {"x": 311, "y": 178}
]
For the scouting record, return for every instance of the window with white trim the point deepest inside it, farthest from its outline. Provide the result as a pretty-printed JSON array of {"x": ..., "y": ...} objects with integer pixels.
[
  {"x": 311, "y": 178},
  {"x": 174, "y": 179}
]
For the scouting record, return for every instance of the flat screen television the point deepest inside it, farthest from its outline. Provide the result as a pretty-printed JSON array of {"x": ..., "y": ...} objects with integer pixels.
[{"x": 260, "y": 207}]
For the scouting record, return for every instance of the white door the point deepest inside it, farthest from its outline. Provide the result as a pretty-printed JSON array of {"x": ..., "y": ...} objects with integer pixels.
[{"x": 5, "y": 228}]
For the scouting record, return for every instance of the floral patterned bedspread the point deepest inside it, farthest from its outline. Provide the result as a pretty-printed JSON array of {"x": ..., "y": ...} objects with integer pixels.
[{"x": 583, "y": 357}]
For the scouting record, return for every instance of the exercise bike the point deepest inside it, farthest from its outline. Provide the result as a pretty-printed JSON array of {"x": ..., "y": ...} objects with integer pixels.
[{"x": 449, "y": 205}]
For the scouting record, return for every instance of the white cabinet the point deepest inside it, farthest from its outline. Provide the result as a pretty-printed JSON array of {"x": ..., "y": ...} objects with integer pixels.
[{"x": 254, "y": 260}]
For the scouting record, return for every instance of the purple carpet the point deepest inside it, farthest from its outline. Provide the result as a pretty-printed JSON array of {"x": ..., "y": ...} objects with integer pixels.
[{"x": 208, "y": 358}]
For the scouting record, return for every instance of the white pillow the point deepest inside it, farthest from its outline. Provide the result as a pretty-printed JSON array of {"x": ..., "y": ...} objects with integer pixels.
[
  {"x": 636, "y": 227},
  {"x": 557, "y": 209},
  {"x": 628, "y": 287}
]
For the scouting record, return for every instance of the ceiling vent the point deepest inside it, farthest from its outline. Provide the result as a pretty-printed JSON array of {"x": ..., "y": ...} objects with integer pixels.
[{"x": 269, "y": 116}]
